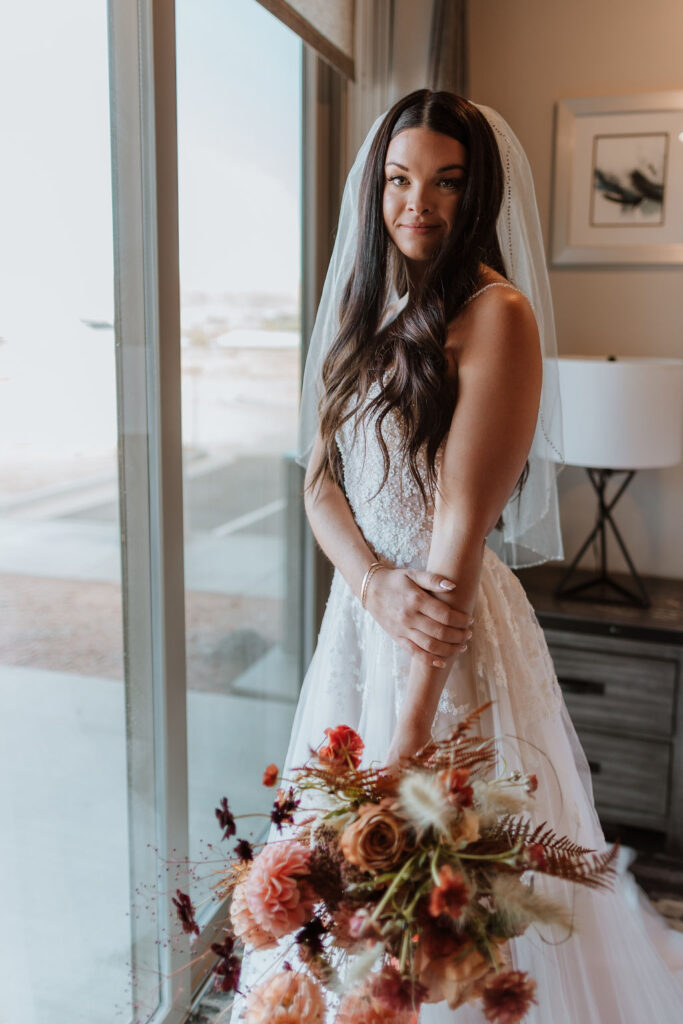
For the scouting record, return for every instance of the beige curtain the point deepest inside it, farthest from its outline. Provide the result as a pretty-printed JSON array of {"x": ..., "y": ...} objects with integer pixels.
[
  {"x": 448, "y": 65},
  {"x": 326, "y": 25}
]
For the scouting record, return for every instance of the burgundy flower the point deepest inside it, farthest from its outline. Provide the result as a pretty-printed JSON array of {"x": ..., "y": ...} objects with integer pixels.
[
  {"x": 394, "y": 992},
  {"x": 344, "y": 747},
  {"x": 225, "y": 819},
  {"x": 309, "y": 938},
  {"x": 455, "y": 782},
  {"x": 228, "y": 968},
  {"x": 508, "y": 996},
  {"x": 185, "y": 912},
  {"x": 283, "y": 808},
  {"x": 531, "y": 784},
  {"x": 244, "y": 850},
  {"x": 270, "y": 775}
]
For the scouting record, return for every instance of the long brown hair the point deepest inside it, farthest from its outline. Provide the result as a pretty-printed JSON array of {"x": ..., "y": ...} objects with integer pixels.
[{"x": 408, "y": 355}]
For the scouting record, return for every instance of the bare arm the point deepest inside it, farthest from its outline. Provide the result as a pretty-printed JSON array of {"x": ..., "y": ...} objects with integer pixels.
[
  {"x": 499, "y": 378},
  {"x": 402, "y": 601},
  {"x": 334, "y": 526}
]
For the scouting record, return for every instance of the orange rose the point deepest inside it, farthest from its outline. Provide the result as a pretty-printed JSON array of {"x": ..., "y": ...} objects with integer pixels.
[{"x": 376, "y": 839}]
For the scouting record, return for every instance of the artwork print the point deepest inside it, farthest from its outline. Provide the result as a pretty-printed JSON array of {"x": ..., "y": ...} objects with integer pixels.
[
  {"x": 628, "y": 179},
  {"x": 618, "y": 180}
]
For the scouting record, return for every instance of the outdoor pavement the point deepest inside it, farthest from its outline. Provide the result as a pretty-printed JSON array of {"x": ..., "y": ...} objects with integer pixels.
[{"x": 65, "y": 946}]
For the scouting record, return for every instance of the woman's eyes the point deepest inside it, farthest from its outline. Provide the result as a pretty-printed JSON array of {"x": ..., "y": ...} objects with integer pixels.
[
  {"x": 454, "y": 182},
  {"x": 451, "y": 183}
]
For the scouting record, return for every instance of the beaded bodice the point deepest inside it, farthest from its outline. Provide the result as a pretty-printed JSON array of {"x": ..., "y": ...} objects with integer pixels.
[{"x": 393, "y": 520}]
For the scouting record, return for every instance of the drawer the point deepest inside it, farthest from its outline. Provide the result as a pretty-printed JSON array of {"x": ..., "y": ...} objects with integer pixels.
[
  {"x": 626, "y": 693},
  {"x": 630, "y": 777}
]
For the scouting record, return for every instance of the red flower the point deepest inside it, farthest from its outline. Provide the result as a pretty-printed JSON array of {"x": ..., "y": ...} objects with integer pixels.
[
  {"x": 455, "y": 783},
  {"x": 450, "y": 895},
  {"x": 508, "y": 996},
  {"x": 344, "y": 747},
  {"x": 531, "y": 784},
  {"x": 270, "y": 775}
]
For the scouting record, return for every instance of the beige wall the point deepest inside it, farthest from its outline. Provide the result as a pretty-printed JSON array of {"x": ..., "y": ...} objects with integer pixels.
[{"x": 524, "y": 55}]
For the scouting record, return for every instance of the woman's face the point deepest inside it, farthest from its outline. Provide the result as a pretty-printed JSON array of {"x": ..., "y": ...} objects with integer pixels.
[{"x": 424, "y": 176}]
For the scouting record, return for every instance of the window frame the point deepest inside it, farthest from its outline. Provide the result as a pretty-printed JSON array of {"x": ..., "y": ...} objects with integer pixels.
[
  {"x": 147, "y": 322},
  {"x": 142, "y": 71}
]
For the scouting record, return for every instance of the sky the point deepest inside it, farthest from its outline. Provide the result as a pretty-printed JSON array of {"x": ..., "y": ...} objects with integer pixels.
[
  {"x": 239, "y": 162},
  {"x": 239, "y": 75}
]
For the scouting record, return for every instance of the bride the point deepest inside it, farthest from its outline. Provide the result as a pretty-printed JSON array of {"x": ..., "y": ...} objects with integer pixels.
[{"x": 431, "y": 434}]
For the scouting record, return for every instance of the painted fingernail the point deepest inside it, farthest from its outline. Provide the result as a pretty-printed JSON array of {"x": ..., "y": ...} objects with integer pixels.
[
  {"x": 468, "y": 636},
  {"x": 447, "y": 585},
  {"x": 438, "y": 663},
  {"x": 463, "y": 647},
  {"x": 470, "y": 622}
]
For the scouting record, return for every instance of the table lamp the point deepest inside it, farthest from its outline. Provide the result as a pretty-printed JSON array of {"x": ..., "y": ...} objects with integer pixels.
[{"x": 619, "y": 415}]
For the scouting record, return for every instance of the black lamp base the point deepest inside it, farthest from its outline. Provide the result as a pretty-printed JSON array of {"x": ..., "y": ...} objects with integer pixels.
[{"x": 585, "y": 591}]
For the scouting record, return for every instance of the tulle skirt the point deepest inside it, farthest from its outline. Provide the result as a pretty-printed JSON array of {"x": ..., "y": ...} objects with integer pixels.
[{"x": 620, "y": 965}]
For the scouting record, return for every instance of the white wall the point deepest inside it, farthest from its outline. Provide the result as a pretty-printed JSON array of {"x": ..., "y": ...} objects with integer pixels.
[{"x": 524, "y": 55}]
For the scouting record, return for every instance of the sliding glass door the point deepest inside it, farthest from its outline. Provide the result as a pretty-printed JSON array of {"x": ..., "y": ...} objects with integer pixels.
[
  {"x": 65, "y": 941},
  {"x": 239, "y": 157},
  {"x": 149, "y": 502}
]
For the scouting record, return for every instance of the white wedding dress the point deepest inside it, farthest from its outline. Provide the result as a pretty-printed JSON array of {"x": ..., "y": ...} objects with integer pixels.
[{"x": 610, "y": 970}]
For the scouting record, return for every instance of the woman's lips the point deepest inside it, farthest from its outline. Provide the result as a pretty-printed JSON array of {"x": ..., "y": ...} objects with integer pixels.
[{"x": 419, "y": 228}]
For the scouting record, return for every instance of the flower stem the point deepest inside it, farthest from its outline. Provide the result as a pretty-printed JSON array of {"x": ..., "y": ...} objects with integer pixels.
[{"x": 392, "y": 888}]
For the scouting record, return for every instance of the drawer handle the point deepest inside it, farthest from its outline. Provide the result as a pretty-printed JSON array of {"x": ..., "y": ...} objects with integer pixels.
[
  {"x": 583, "y": 686},
  {"x": 595, "y": 767}
]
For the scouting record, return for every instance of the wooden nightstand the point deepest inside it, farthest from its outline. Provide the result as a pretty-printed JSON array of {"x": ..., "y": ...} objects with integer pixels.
[{"x": 621, "y": 672}]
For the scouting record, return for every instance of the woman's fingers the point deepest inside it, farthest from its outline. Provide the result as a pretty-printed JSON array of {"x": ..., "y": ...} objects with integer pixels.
[
  {"x": 442, "y": 631},
  {"x": 435, "y": 648},
  {"x": 430, "y": 580},
  {"x": 432, "y": 607}
]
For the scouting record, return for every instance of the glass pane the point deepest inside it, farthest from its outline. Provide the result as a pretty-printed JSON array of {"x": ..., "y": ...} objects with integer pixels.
[
  {"x": 239, "y": 124},
  {"x": 65, "y": 939}
]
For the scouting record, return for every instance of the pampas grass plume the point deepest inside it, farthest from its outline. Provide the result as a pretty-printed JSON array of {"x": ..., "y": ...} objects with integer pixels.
[
  {"x": 423, "y": 803},
  {"x": 491, "y": 800},
  {"x": 521, "y": 906}
]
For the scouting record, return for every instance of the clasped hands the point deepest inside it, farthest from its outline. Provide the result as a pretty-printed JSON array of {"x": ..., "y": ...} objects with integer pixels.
[{"x": 402, "y": 602}]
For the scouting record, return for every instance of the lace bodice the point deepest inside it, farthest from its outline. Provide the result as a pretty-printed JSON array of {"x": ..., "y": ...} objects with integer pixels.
[{"x": 394, "y": 521}]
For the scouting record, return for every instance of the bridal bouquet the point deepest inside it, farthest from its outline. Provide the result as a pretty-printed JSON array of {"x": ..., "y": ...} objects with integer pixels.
[{"x": 392, "y": 887}]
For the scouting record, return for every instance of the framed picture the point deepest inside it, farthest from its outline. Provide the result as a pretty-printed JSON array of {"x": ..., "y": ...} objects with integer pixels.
[{"x": 618, "y": 180}]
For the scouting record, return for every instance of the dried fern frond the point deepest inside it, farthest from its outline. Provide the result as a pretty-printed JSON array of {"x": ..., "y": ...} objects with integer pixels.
[
  {"x": 522, "y": 831},
  {"x": 562, "y": 857}
]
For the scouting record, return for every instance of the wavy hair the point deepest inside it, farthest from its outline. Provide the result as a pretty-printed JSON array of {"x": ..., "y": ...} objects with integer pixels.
[{"x": 408, "y": 355}]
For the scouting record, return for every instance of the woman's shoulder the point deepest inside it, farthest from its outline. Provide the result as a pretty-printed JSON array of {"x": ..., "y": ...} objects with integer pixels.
[
  {"x": 496, "y": 310},
  {"x": 496, "y": 288}
]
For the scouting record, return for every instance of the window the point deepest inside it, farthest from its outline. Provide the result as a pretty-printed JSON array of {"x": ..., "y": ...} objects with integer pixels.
[
  {"x": 65, "y": 941},
  {"x": 150, "y": 503}
]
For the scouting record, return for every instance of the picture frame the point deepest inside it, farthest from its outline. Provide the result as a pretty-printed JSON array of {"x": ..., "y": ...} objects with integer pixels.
[{"x": 618, "y": 180}]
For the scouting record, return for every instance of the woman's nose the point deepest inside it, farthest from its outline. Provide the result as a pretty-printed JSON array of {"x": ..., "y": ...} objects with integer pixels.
[{"x": 417, "y": 200}]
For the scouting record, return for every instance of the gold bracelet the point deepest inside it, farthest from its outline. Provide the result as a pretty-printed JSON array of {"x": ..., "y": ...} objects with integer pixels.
[{"x": 366, "y": 579}]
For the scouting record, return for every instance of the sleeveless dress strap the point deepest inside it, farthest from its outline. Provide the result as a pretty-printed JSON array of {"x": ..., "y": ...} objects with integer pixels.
[{"x": 493, "y": 284}]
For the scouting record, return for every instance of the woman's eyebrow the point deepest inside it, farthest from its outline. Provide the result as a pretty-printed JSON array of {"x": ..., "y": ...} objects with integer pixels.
[{"x": 439, "y": 170}]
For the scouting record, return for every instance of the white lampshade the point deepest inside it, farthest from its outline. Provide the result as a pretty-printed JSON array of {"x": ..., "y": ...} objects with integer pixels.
[{"x": 622, "y": 414}]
